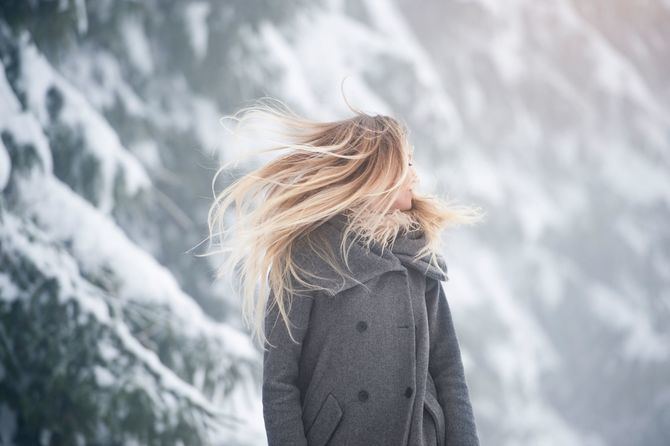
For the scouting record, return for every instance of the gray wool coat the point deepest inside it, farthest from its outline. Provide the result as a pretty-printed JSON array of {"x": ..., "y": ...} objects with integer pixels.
[{"x": 377, "y": 360}]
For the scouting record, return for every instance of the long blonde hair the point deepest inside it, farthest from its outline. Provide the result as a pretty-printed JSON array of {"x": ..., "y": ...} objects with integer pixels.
[{"x": 355, "y": 166}]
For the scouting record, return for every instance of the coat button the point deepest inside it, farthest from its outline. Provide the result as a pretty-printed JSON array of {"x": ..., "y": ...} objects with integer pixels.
[
  {"x": 363, "y": 395},
  {"x": 408, "y": 392},
  {"x": 361, "y": 326}
]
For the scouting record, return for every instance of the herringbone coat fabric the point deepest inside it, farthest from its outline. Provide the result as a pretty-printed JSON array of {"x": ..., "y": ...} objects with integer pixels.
[{"x": 377, "y": 360}]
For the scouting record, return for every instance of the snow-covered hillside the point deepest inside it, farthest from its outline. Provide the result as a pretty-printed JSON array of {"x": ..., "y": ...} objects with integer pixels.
[
  {"x": 565, "y": 134},
  {"x": 554, "y": 116}
]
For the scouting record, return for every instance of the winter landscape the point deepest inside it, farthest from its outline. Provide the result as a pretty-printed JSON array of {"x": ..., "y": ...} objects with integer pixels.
[{"x": 553, "y": 116}]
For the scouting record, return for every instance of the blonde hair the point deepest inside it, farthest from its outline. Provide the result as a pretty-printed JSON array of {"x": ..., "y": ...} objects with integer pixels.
[{"x": 355, "y": 166}]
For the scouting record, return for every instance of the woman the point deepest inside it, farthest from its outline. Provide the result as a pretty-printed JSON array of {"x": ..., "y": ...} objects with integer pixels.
[{"x": 365, "y": 351}]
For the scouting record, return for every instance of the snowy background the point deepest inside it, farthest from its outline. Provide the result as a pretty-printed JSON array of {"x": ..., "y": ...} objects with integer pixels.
[{"x": 553, "y": 115}]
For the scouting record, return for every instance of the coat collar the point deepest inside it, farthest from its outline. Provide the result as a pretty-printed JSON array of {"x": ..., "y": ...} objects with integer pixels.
[{"x": 365, "y": 264}]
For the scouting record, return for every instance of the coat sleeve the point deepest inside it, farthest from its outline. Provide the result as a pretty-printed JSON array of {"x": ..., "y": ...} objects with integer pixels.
[
  {"x": 446, "y": 368},
  {"x": 282, "y": 406}
]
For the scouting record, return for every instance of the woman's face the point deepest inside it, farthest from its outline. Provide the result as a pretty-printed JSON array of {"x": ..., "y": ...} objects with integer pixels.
[{"x": 404, "y": 199}]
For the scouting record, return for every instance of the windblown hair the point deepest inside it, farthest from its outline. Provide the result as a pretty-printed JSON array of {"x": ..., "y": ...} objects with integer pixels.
[{"x": 354, "y": 166}]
